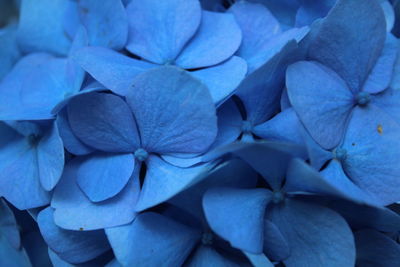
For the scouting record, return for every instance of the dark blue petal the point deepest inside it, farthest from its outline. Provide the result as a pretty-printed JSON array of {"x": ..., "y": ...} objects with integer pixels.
[
  {"x": 321, "y": 99},
  {"x": 157, "y": 36},
  {"x": 373, "y": 153},
  {"x": 381, "y": 74},
  {"x": 261, "y": 90},
  {"x": 376, "y": 249},
  {"x": 152, "y": 240},
  {"x": 11, "y": 257},
  {"x": 174, "y": 180},
  {"x": 74, "y": 211},
  {"x": 346, "y": 46},
  {"x": 205, "y": 256},
  {"x": 41, "y": 27},
  {"x": 237, "y": 215},
  {"x": 107, "y": 24},
  {"x": 114, "y": 70},
  {"x": 222, "y": 79},
  {"x": 103, "y": 121},
  {"x": 217, "y": 39},
  {"x": 173, "y": 110},
  {"x": 275, "y": 246},
  {"x": 8, "y": 225},
  {"x": 301, "y": 178},
  {"x": 317, "y": 235},
  {"x": 72, "y": 246},
  {"x": 234, "y": 173},
  {"x": 103, "y": 175}
]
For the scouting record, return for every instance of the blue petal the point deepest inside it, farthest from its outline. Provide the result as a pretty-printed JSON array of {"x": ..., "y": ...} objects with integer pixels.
[
  {"x": 152, "y": 240},
  {"x": 222, "y": 79},
  {"x": 272, "y": 165},
  {"x": 173, "y": 110},
  {"x": 71, "y": 143},
  {"x": 107, "y": 24},
  {"x": 174, "y": 180},
  {"x": 390, "y": 16},
  {"x": 103, "y": 121},
  {"x": 310, "y": 11},
  {"x": 19, "y": 173},
  {"x": 157, "y": 36},
  {"x": 50, "y": 158},
  {"x": 337, "y": 46},
  {"x": 74, "y": 211},
  {"x": 318, "y": 236},
  {"x": 11, "y": 257},
  {"x": 388, "y": 101},
  {"x": 237, "y": 215},
  {"x": 41, "y": 27},
  {"x": 261, "y": 90},
  {"x": 71, "y": 21},
  {"x": 72, "y": 246},
  {"x": 376, "y": 249},
  {"x": 114, "y": 70},
  {"x": 9, "y": 51},
  {"x": 205, "y": 256},
  {"x": 39, "y": 82},
  {"x": 258, "y": 26},
  {"x": 258, "y": 260},
  {"x": 365, "y": 216},
  {"x": 381, "y": 74},
  {"x": 285, "y": 126},
  {"x": 371, "y": 134},
  {"x": 302, "y": 178},
  {"x": 275, "y": 246},
  {"x": 321, "y": 99},
  {"x": 217, "y": 39},
  {"x": 8, "y": 225},
  {"x": 234, "y": 173},
  {"x": 103, "y": 175}
]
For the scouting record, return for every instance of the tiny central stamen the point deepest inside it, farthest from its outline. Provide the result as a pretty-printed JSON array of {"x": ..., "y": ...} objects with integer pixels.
[
  {"x": 363, "y": 98},
  {"x": 207, "y": 238},
  {"x": 247, "y": 127},
  {"x": 278, "y": 197},
  {"x": 340, "y": 154},
  {"x": 141, "y": 154}
]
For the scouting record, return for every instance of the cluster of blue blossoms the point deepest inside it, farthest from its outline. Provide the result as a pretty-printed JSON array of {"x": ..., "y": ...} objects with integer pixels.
[{"x": 199, "y": 133}]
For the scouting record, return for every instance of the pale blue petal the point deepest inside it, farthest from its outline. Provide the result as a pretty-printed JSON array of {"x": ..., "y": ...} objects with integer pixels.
[
  {"x": 114, "y": 70},
  {"x": 103, "y": 175},
  {"x": 237, "y": 215},
  {"x": 351, "y": 55},
  {"x": 174, "y": 180},
  {"x": 321, "y": 99},
  {"x": 107, "y": 23},
  {"x": 173, "y": 110},
  {"x": 50, "y": 158},
  {"x": 152, "y": 240},
  {"x": 223, "y": 79},
  {"x": 74, "y": 211},
  {"x": 72, "y": 246},
  {"x": 317, "y": 235},
  {"x": 103, "y": 121},
  {"x": 217, "y": 39},
  {"x": 157, "y": 36}
]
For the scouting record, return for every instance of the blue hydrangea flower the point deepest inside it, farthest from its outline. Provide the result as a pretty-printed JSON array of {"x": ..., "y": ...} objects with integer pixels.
[{"x": 32, "y": 161}]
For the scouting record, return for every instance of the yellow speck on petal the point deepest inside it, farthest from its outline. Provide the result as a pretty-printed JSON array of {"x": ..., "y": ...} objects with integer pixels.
[{"x": 380, "y": 129}]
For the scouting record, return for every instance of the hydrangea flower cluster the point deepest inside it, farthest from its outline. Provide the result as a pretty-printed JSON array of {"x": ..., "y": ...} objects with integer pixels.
[{"x": 199, "y": 133}]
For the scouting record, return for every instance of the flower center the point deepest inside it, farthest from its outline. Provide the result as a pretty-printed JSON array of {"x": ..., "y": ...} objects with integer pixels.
[
  {"x": 363, "y": 98},
  {"x": 278, "y": 197},
  {"x": 340, "y": 154},
  {"x": 33, "y": 139},
  {"x": 207, "y": 238},
  {"x": 141, "y": 154},
  {"x": 247, "y": 127}
]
